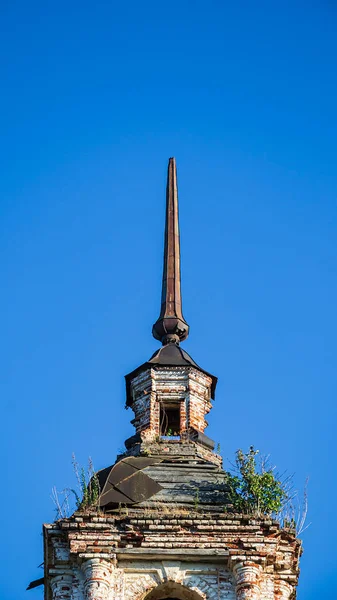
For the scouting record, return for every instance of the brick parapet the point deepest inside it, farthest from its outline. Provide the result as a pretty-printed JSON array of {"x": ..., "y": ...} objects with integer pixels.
[{"x": 244, "y": 538}]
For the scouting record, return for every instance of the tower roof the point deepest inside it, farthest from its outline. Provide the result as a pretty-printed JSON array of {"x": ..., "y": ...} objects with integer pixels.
[
  {"x": 171, "y": 325},
  {"x": 171, "y": 355}
]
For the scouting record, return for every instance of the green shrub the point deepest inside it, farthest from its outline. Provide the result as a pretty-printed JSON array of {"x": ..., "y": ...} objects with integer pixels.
[{"x": 256, "y": 489}]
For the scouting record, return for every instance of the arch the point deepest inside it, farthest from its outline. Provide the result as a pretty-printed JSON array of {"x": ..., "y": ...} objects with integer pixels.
[
  {"x": 174, "y": 591},
  {"x": 176, "y": 581}
]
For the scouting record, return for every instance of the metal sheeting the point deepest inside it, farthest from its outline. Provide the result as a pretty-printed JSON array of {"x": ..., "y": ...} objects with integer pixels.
[{"x": 126, "y": 483}]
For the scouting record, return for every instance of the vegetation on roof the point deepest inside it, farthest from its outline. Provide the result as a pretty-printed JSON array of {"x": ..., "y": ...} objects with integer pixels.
[{"x": 256, "y": 488}]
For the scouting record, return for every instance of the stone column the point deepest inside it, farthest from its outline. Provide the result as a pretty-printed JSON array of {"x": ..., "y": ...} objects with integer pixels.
[
  {"x": 247, "y": 575},
  {"x": 283, "y": 590},
  {"x": 61, "y": 586},
  {"x": 98, "y": 579}
]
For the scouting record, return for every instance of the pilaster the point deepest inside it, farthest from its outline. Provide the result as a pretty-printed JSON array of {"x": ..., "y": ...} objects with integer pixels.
[
  {"x": 61, "y": 586},
  {"x": 247, "y": 577},
  {"x": 98, "y": 579},
  {"x": 283, "y": 590}
]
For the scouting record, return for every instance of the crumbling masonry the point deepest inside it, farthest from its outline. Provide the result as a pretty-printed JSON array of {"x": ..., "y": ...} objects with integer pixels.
[{"x": 165, "y": 526}]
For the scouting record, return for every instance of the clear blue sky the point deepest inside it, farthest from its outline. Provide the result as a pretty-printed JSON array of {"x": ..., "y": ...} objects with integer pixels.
[{"x": 95, "y": 98}]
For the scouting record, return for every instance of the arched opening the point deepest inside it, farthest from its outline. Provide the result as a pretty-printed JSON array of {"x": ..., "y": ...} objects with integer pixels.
[{"x": 173, "y": 591}]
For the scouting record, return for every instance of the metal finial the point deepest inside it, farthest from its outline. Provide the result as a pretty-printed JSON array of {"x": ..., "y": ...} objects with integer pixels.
[{"x": 171, "y": 326}]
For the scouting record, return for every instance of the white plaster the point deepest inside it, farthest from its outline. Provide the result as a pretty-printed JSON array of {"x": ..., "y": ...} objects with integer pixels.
[{"x": 210, "y": 582}]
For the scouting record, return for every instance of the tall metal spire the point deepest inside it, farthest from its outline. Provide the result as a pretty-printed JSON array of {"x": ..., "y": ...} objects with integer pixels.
[{"x": 171, "y": 326}]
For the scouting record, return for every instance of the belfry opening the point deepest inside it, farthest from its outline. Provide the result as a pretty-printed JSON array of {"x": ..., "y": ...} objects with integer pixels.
[{"x": 170, "y": 420}]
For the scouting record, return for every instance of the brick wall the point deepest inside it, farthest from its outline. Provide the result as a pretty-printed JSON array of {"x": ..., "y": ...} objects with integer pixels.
[
  {"x": 223, "y": 556},
  {"x": 185, "y": 386}
]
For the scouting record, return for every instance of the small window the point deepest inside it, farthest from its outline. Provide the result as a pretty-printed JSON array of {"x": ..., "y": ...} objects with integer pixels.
[{"x": 170, "y": 420}]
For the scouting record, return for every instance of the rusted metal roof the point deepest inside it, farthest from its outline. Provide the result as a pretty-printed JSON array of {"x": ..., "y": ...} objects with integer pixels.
[
  {"x": 172, "y": 354},
  {"x": 126, "y": 483}
]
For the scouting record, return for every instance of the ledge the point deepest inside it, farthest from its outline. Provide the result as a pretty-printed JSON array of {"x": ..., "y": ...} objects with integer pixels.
[{"x": 190, "y": 554}]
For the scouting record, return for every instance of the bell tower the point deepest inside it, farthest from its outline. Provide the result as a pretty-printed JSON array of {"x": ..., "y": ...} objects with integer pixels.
[{"x": 164, "y": 525}]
